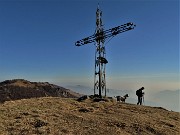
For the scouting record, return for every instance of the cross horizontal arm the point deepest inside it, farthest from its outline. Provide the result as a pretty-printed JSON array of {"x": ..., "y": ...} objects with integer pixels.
[{"x": 106, "y": 34}]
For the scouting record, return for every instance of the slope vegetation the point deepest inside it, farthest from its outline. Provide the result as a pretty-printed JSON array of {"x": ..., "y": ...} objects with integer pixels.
[
  {"x": 23, "y": 89},
  {"x": 66, "y": 116}
]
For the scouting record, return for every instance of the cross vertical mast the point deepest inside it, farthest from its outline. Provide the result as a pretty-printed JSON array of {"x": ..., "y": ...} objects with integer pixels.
[{"x": 100, "y": 60}]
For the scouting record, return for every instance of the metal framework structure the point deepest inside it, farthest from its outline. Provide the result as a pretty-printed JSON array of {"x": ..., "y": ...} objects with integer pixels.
[{"x": 99, "y": 38}]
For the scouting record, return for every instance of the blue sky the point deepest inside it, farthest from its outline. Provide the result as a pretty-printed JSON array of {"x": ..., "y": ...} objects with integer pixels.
[{"x": 37, "y": 42}]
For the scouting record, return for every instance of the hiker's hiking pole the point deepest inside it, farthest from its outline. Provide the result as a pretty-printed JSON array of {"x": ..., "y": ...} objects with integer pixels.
[{"x": 143, "y": 100}]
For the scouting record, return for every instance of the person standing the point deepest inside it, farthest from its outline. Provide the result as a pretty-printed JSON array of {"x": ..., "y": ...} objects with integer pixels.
[{"x": 140, "y": 95}]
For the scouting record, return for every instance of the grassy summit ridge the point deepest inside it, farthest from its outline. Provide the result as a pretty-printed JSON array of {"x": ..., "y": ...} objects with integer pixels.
[{"x": 66, "y": 116}]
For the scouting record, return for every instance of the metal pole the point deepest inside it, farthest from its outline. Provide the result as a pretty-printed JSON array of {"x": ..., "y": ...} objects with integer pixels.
[
  {"x": 143, "y": 100},
  {"x": 99, "y": 44}
]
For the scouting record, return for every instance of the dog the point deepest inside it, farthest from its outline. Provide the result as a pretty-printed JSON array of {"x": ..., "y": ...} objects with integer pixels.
[{"x": 121, "y": 99}]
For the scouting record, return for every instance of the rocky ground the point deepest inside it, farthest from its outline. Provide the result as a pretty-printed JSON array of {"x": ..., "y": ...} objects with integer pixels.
[{"x": 65, "y": 116}]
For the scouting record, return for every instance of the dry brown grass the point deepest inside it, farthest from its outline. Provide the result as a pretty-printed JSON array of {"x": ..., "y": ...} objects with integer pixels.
[
  {"x": 21, "y": 83},
  {"x": 58, "y": 116}
]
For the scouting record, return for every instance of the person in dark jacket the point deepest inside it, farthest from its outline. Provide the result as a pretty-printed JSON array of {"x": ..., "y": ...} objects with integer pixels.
[{"x": 140, "y": 95}]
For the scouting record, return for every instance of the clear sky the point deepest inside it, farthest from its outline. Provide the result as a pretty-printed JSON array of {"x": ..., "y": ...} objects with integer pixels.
[{"x": 37, "y": 42}]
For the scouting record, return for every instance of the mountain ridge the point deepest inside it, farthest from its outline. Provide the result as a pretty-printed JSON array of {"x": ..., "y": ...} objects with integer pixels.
[{"x": 21, "y": 89}]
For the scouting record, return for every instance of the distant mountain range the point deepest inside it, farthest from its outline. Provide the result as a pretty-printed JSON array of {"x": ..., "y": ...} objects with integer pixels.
[
  {"x": 23, "y": 89},
  {"x": 168, "y": 99}
]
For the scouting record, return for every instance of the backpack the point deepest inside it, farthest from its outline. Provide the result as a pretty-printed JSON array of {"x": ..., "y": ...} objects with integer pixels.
[{"x": 137, "y": 92}]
